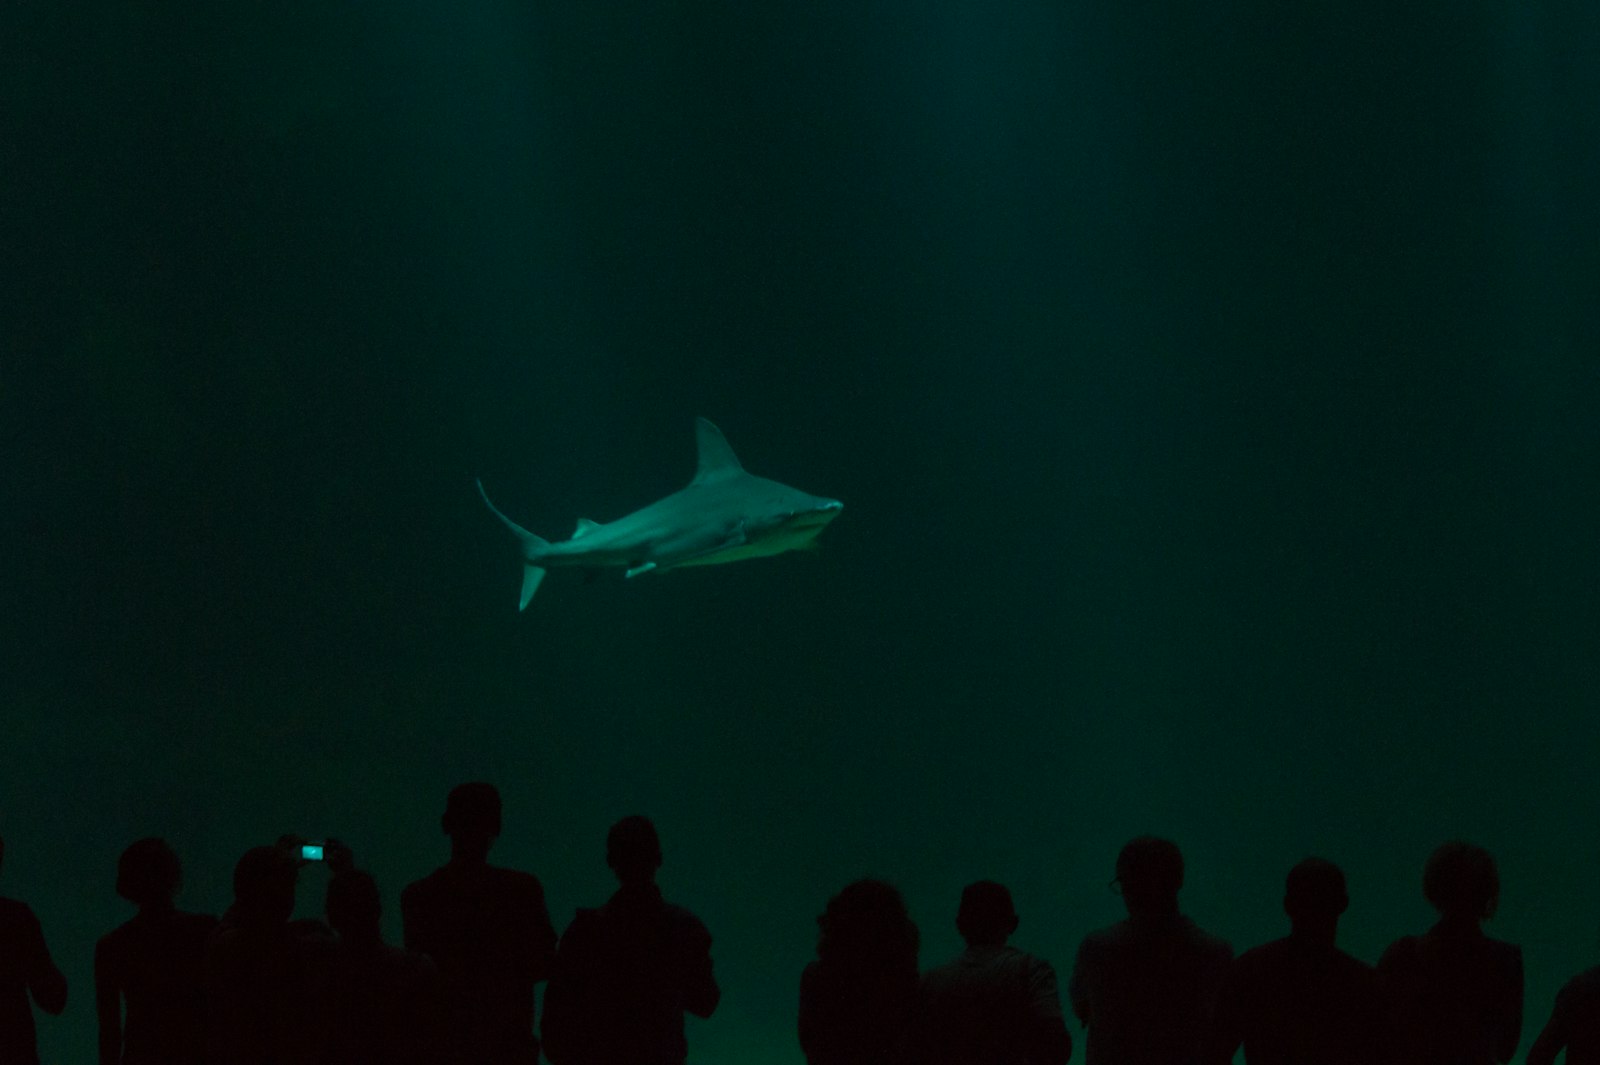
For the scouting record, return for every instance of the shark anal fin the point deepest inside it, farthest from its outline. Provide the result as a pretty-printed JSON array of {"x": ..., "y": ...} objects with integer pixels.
[{"x": 644, "y": 567}]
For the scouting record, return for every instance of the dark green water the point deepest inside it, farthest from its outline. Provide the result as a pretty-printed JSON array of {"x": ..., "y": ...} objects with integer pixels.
[{"x": 1212, "y": 395}]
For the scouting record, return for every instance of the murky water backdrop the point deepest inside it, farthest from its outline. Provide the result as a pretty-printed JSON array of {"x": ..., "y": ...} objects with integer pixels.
[{"x": 1212, "y": 395}]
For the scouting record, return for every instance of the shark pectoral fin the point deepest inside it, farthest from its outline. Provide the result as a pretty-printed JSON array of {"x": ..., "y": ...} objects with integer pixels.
[
  {"x": 634, "y": 571},
  {"x": 531, "y": 576}
]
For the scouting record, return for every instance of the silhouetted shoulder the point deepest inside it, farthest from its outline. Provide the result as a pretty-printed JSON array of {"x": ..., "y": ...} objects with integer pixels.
[
  {"x": 1126, "y": 935},
  {"x": 686, "y": 925},
  {"x": 428, "y": 888},
  {"x": 585, "y": 919},
  {"x": 1263, "y": 957},
  {"x": 1581, "y": 994},
  {"x": 446, "y": 882},
  {"x": 1269, "y": 957},
  {"x": 181, "y": 935},
  {"x": 1258, "y": 964},
  {"x": 22, "y": 947},
  {"x": 1402, "y": 953},
  {"x": 16, "y": 917},
  {"x": 589, "y": 924},
  {"x": 197, "y": 926},
  {"x": 1267, "y": 967},
  {"x": 1507, "y": 957},
  {"x": 1207, "y": 942},
  {"x": 1107, "y": 938},
  {"x": 179, "y": 926},
  {"x": 516, "y": 884},
  {"x": 1574, "y": 1023},
  {"x": 1433, "y": 950}
]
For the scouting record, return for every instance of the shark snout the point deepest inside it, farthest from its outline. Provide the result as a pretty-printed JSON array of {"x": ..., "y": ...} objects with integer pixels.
[{"x": 820, "y": 514}]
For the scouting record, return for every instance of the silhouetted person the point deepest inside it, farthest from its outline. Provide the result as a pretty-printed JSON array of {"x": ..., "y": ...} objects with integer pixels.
[
  {"x": 488, "y": 931},
  {"x": 1301, "y": 1000},
  {"x": 386, "y": 1005},
  {"x": 626, "y": 973},
  {"x": 858, "y": 999},
  {"x": 1457, "y": 994},
  {"x": 152, "y": 963},
  {"x": 1146, "y": 987},
  {"x": 265, "y": 979},
  {"x": 1574, "y": 1024},
  {"x": 25, "y": 969},
  {"x": 992, "y": 1005}
]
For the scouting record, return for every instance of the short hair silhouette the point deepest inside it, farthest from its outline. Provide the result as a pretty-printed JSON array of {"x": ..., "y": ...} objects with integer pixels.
[
  {"x": 633, "y": 849},
  {"x": 1315, "y": 890},
  {"x": 1460, "y": 880},
  {"x": 472, "y": 809},
  {"x": 353, "y": 904},
  {"x": 149, "y": 872},
  {"x": 986, "y": 911},
  {"x": 263, "y": 885},
  {"x": 1150, "y": 872}
]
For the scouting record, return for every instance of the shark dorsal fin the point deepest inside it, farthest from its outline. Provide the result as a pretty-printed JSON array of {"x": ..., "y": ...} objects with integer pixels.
[
  {"x": 717, "y": 460},
  {"x": 585, "y": 527}
]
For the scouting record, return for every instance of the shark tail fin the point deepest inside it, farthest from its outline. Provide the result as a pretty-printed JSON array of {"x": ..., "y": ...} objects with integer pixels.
[{"x": 532, "y": 547}]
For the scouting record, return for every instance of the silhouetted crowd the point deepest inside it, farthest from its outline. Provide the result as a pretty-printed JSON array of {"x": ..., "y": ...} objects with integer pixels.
[{"x": 256, "y": 987}]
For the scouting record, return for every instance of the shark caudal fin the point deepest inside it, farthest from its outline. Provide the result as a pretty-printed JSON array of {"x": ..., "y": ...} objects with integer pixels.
[{"x": 532, "y": 545}]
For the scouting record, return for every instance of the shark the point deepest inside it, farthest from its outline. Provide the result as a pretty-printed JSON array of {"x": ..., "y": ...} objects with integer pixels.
[{"x": 724, "y": 514}]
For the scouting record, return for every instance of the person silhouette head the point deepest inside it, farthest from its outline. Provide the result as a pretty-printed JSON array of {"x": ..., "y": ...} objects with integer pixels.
[
  {"x": 1462, "y": 883},
  {"x": 866, "y": 927},
  {"x": 472, "y": 821},
  {"x": 1150, "y": 874},
  {"x": 149, "y": 874},
  {"x": 633, "y": 851},
  {"x": 1314, "y": 897},
  {"x": 354, "y": 908},
  {"x": 263, "y": 887},
  {"x": 986, "y": 917}
]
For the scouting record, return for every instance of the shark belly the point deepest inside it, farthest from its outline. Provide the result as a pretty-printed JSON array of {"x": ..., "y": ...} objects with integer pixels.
[{"x": 762, "y": 548}]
